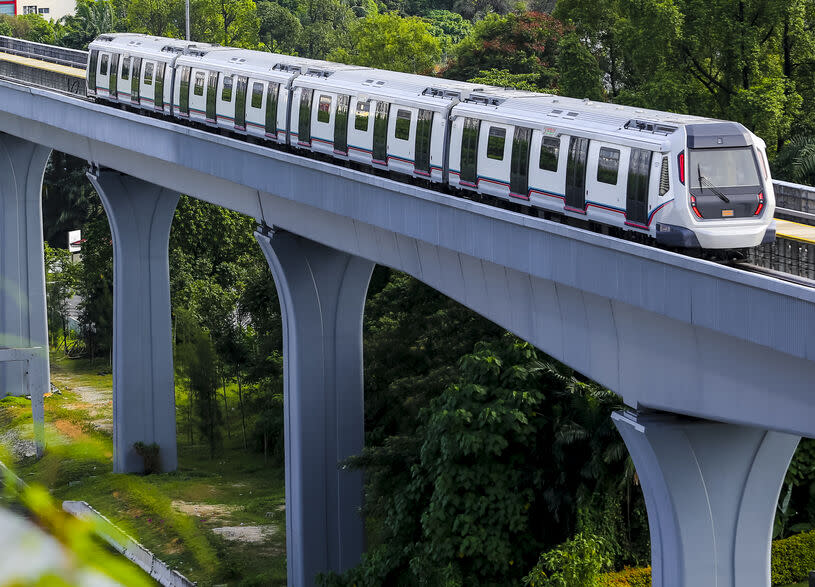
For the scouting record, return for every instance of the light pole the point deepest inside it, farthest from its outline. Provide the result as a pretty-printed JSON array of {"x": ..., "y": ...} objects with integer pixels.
[{"x": 188, "y": 20}]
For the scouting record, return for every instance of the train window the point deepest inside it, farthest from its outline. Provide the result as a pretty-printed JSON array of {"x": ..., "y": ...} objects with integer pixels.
[
  {"x": 495, "y": 143},
  {"x": 148, "y": 73},
  {"x": 639, "y": 177},
  {"x": 226, "y": 93},
  {"x": 271, "y": 109},
  {"x": 126, "y": 68},
  {"x": 135, "y": 81},
  {"x": 361, "y": 119},
  {"x": 304, "y": 122},
  {"x": 257, "y": 95},
  {"x": 324, "y": 109},
  {"x": 341, "y": 125},
  {"x": 403, "y": 124},
  {"x": 424, "y": 127},
  {"x": 184, "y": 91},
  {"x": 198, "y": 88},
  {"x": 608, "y": 165},
  {"x": 103, "y": 68},
  {"x": 550, "y": 152}
]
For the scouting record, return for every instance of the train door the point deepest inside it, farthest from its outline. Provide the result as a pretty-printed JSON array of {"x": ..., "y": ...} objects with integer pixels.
[
  {"x": 184, "y": 91},
  {"x": 159, "y": 100},
  {"x": 519, "y": 166},
  {"x": 381, "y": 117},
  {"x": 360, "y": 132},
  {"x": 114, "y": 76},
  {"x": 93, "y": 65},
  {"x": 576, "y": 174},
  {"x": 494, "y": 150},
  {"x": 639, "y": 179},
  {"x": 605, "y": 182},
  {"x": 402, "y": 143},
  {"x": 254, "y": 108},
  {"x": 469, "y": 151},
  {"x": 304, "y": 117},
  {"x": 135, "y": 81},
  {"x": 149, "y": 74},
  {"x": 240, "y": 102},
  {"x": 323, "y": 123},
  {"x": 424, "y": 127},
  {"x": 341, "y": 125},
  {"x": 272, "y": 92},
  {"x": 212, "y": 97}
]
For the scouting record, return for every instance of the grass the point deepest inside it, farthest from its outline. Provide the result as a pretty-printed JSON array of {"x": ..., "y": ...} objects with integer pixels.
[{"x": 172, "y": 514}]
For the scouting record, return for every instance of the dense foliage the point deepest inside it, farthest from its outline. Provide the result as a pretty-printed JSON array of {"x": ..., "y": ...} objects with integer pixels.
[{"x": 481, "y": 453}]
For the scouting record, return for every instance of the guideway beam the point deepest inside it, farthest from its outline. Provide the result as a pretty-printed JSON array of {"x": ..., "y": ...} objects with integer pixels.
[
  {"x": 322, "y": 298},
  {"x": 711, "y": 490},
  {"x": 140, "y": 215},
  {"x": 23, "y": 313}
]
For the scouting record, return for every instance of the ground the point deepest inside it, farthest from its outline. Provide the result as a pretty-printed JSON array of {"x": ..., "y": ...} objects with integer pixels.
[{"x": 218, "y": 521}]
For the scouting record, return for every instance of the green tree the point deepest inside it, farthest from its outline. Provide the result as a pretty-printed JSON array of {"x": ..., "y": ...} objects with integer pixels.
[
  {"x": 5, "y": 26},
  {"x": 580, "y": 75},
  {"x": 60, "y": 285},
  {"x": 388, "y": 41},
  {"x": 233, "y": 23},
  {"x": 518, "y": 43},
  {"x": 90, "y": 19},
  {"x": 280, "y": 30},
  {"x": 326, "y": 25},
  {"x": 156, "y": 17},
  {"x": 450, "y": 28}
]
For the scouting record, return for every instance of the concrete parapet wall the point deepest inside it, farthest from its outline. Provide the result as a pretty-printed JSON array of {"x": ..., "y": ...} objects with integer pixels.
[
  {"x": 794, "y": 196},
  {"x": 43, "y": 78},
  {"x": 127, "y": 546}
]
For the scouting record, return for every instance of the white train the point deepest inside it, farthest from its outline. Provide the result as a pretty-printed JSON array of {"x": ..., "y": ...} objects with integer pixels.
[{"x": 683, "y": 181}]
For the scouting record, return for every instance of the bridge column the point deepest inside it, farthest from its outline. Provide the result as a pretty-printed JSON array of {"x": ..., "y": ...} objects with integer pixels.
[
  {"x": 711, "y": 491},
  {"x": 23, "y": 314},
  {"x": 140, "y": 215},
  {"x": 322, "y": 297}
]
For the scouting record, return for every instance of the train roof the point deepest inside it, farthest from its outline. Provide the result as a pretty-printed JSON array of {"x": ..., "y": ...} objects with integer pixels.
[{"x": 146, "y": 45}]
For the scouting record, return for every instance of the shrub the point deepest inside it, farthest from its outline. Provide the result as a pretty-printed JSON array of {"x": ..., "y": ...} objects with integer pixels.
[
  {"x": 793, "y": 558},
  {"x": 628, "y": 577},
  {"x": 575, "y": 563}
]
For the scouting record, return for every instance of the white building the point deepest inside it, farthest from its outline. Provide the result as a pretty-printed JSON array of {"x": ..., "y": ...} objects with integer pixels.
[{"x": 47, "y": 9}]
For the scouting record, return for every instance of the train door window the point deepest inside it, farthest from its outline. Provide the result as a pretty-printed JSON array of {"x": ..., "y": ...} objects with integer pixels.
[
  {"x": 114, "y": 75},
  {"x": 148, "y": 73},
  {"x": 226, "y": 93},
  {"x": 159, "y": 98},
  {"x": 103, "y": 68},
  {"x": 212, "y": 95},
  {"x": 550, "y": 152},
  {"x": 324, "y": 109},
  {"x": 304, "y": 122},
  {"x": 424, "y": 127},
  {"x": 639, "y": 178},
  {"x": 257, "y": 95},
  {"x": 519, "y": 168},
  {"x": 341, "y": 125},
  {"x": 94, "y": 61},
  {"x": 361, "y": 119},
  {"x": 576, "y": 173},
  {"x": 495, "y": 143},
  {"x": 240, "y": 102},
  {"x": 135, "y": 80},
  {"x": 402, "y": 130},
  {"x": 469, "y": 149},
  {"x": 608, "y": 165},
  {"x": 380, "y": 152},
  {"x": 184, "y": 91},
  {"x": 126, "y": 69},
  {"x": 198, "y": 88},
  {"x": 271, "y": 109}
]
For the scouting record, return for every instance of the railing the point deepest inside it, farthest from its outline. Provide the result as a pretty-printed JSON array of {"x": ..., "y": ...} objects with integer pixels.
[
  {"x": 794, "y": 202},
  {"x": 50, "y": 53}
]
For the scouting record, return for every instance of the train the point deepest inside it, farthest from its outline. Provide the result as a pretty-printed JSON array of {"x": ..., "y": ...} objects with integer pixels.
[{"x": 678, "y": 181}]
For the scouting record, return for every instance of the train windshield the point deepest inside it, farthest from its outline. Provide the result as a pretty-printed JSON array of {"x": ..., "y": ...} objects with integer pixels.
[{"x": 723, "y": 168}]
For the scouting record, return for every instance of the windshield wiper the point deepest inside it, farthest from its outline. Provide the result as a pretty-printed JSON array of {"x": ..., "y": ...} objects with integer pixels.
[{"x": 710, "y": 185}]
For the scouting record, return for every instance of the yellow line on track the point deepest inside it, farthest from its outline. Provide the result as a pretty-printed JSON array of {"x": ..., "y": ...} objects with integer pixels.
[{"x": 38, "y": 64}]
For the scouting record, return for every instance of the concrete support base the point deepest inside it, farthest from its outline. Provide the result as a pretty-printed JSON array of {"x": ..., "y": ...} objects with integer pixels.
[
  {"x": 322, "y": 297},
  {"x": 140, "y": 215},
  {"x": 711, "y": 490},
  {"x": 23, "y": 314}
]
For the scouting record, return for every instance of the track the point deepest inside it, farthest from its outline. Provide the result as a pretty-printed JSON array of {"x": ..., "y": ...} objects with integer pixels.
[{"x": 788, "y": 277}]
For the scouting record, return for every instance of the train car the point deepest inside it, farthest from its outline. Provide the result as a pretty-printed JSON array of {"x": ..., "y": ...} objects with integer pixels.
[
  {"x": 682, "y": 181},
  {"x": 618, "y": 166},
  {"x": 135, "y": 70},
  {"x": 389, "y": 120}
]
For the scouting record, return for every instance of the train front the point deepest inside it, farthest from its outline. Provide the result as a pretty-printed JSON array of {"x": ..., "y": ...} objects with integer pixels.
[{"x": 725, "y": 182}]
